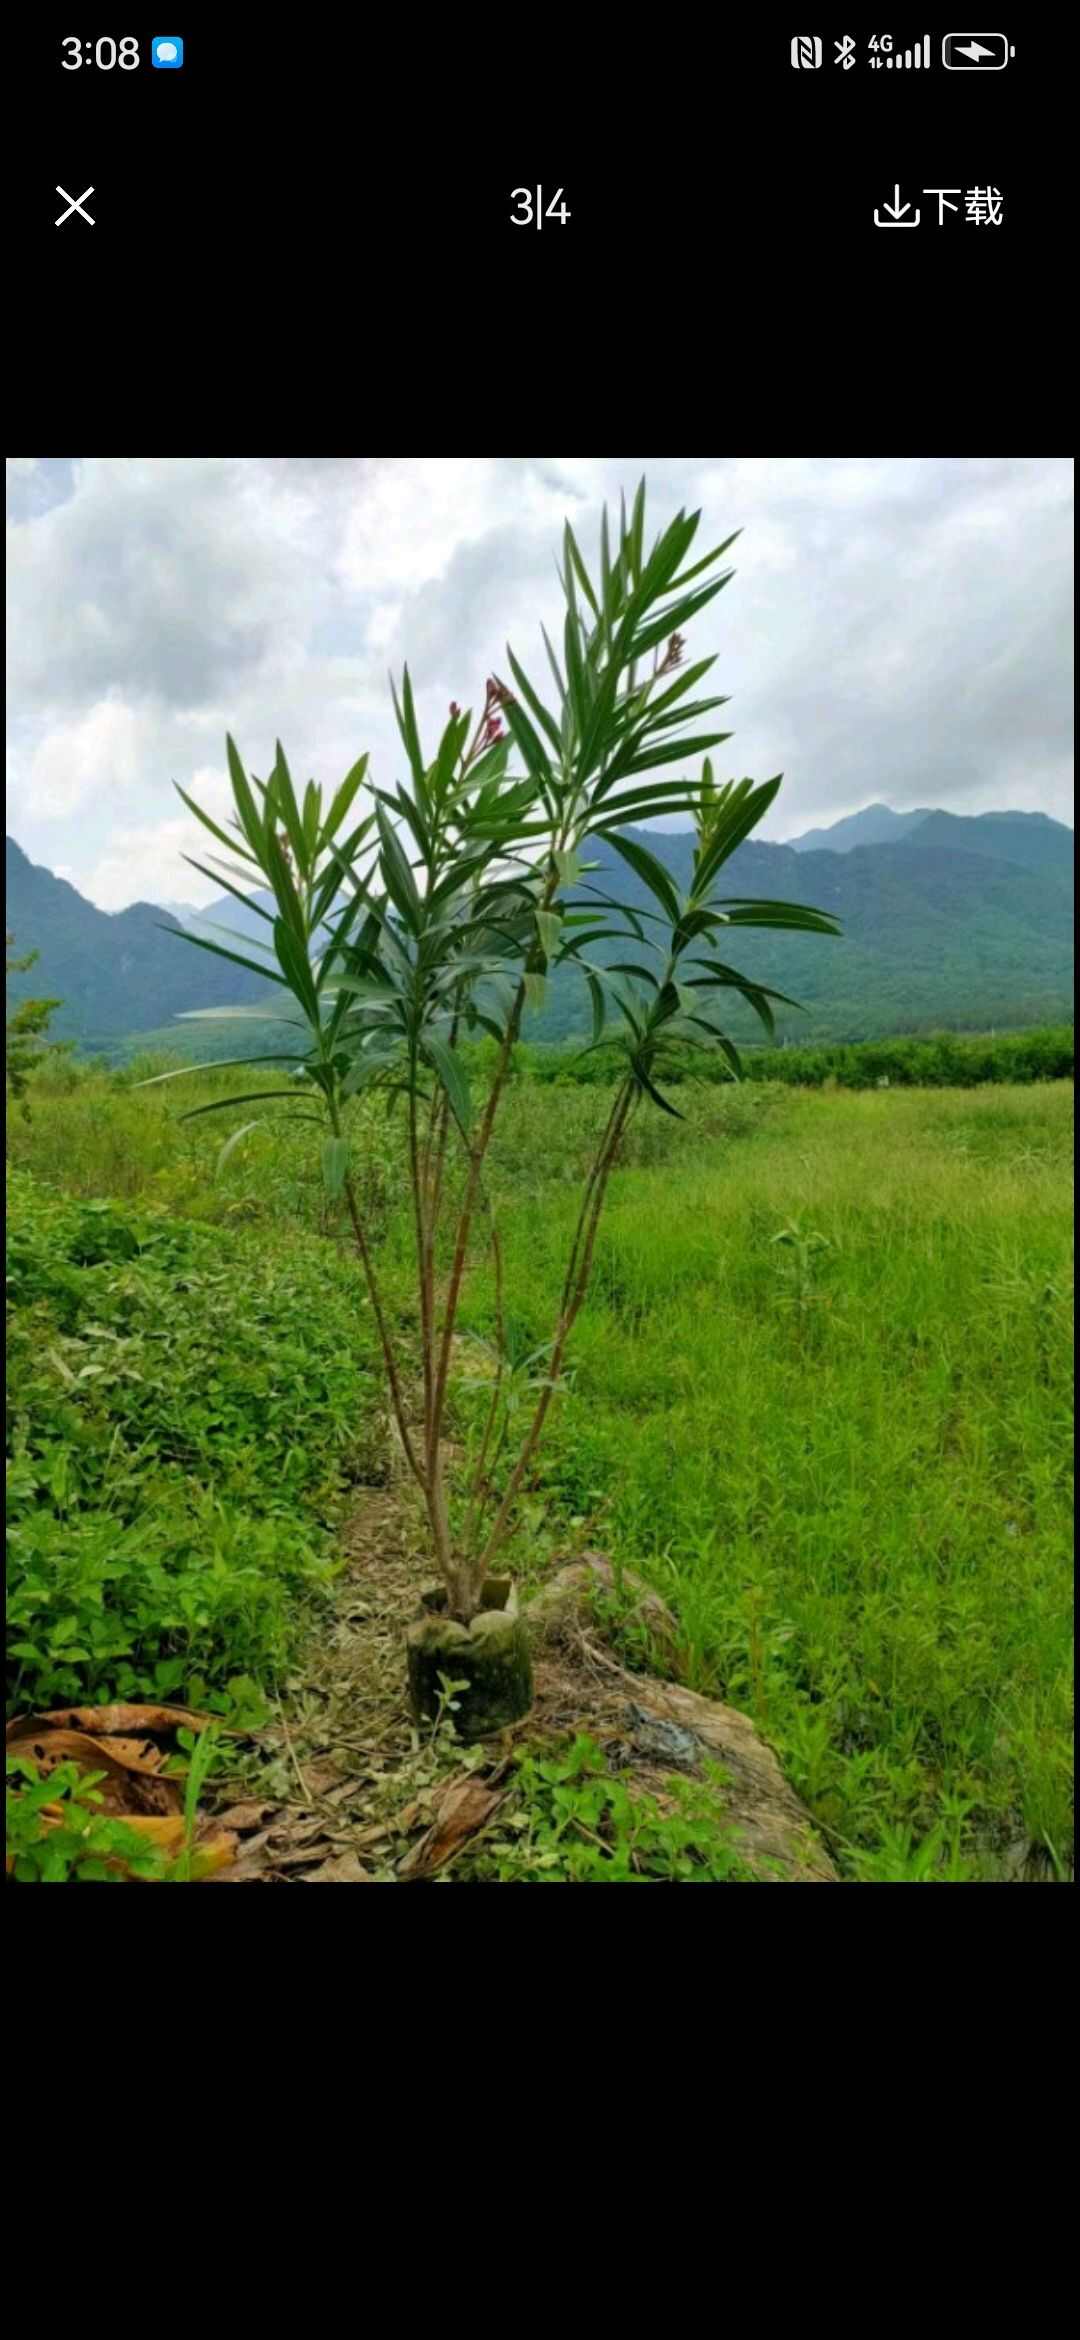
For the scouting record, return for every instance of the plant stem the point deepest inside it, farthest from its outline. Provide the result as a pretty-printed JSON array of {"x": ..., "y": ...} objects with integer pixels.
[
  {"x": 589, "y": 1185},
  {"x": 568, "y": 1313},
  {"x": 396, "y": 1398},
  {"x": 476, "y": 1163},
  {"x": 475, "y": 1502},
  {"x": 421, "y": 1253}
]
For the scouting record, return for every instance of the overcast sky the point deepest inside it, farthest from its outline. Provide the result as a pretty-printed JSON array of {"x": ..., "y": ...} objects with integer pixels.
[{"x": 897, "y": 630}]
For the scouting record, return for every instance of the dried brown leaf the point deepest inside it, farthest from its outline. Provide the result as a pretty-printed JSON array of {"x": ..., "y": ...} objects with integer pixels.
[
  {"x": 300, "y": 1832},
  {"x": 134, "y": 1754},
  {"x": 346, "y": 1869},
  {"x": 245, "y": 1872},
  {"x": 128, "y": 1786},
  {"x": 304, "y": 1858},
  {"x": 243, "y": 1817},
  {"x": 125, "y": 1720},
  {"x": 464, "y": 1806}
]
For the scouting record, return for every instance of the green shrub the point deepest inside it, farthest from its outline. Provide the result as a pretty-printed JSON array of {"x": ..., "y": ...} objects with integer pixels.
[{"x": 173, "y": 1460}]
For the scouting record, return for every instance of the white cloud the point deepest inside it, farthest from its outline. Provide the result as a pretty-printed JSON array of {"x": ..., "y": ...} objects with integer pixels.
[
  {"x": 896, "y": 629},
  {"x": 86, "y": 759}
]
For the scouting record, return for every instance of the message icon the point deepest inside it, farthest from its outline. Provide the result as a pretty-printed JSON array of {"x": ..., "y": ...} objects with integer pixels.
[{"x": 167, "y": 50}]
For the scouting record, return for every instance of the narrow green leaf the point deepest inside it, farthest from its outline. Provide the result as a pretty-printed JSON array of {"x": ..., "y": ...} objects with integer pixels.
[
  {"x": 232, "y": 1142},
  {"x": 533, "y": 752},
  {"x": 626, "y": 999},
  {"x": 582, "y": 572},
  {"x": 237, "y": 892},
  {"x": 716, "y": 555},
  {"x": 578, "y": 699},
  {"x": 222, "y": 1104},
  {"x": 312, "y": 817},
  {"x": 245, "y": 803},
  {"x": 406, "y": 723},
  {"x": 216, "y": 1063},
  {"x": 793, "y": 916},
  {"x": 230, "y": 843},
  {"x": 677, "y": 615},
  {"x": 240, "y": 873},
  {"x": 741, "y": 811},
  {"x": 447, "y": 1064},
  {"x": 251, "y": 941},
  {"x": 233, "y": 1015},
  {"x": 643, "y": 1078},
  {"x": 366, "y": 988},
  {"x": 451, "y": 746},
  {"x": 637, "y": 532},
  {"x": 634, "y": 967},
  {"x": 293, "y": 958},
  {"x": 397, "y": 876},
  {"x": 669, "y": 549},
  {"x": 413, "y": 817},
  {"x": 268, "y": 974},
  {"x": 635, "y": 792},
  {"x": 666, "y": 751},
  {"x": 680, "y": 715},
  {"x": 335, "y": 1162},
  {"x": 343, "y": 799},
  {"x": 651, "y": 872},
  {"x": 543, "y": 716},
  {"x": 289, "y": 905},
  {"x": 280, "y": 791},
  {"x": 329, "y": 883},
  {"x": 548, "y": 927},
  {"x": 554, "y": 665},
  {"x": 684, "y": 681}
]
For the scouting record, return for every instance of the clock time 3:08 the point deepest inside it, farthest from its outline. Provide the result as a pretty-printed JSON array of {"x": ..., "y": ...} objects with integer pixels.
[{"x": 104, "y": 53}]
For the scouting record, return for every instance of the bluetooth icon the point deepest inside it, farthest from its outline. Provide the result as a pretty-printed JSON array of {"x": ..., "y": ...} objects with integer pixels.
[{"x": 845, "y": 52}]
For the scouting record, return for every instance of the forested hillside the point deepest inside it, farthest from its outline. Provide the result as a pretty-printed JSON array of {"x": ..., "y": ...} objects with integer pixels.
[{"x": 954, "y": 923}]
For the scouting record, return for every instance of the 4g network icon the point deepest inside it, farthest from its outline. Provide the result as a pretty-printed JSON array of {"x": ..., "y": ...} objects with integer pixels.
[{"x": 960, "y": 53}]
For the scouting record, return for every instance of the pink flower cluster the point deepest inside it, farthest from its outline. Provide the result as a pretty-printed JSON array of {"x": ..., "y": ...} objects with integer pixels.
[{"x": 490, "y": 727}]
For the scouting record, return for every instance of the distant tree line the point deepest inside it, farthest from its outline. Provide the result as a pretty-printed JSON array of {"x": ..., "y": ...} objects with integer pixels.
[{"x": 940, "y": 1060}]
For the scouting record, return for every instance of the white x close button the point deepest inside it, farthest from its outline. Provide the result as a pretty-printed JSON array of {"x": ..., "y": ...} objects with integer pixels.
[{"x": 75, "y": 203}]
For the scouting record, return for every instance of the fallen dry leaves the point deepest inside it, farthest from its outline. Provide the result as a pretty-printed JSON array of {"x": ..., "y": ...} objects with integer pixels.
[
  {"x": 112, "y": 1719},
  {"x": 120, "y": 1743},
  {"x": 460, "y": 1807}
]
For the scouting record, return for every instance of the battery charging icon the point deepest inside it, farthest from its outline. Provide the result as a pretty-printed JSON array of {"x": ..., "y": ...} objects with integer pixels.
[{"x": 975, "y": 52}]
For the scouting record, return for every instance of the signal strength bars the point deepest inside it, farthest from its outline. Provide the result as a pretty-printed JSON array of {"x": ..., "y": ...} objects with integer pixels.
[{"x": 915, "y": 60}]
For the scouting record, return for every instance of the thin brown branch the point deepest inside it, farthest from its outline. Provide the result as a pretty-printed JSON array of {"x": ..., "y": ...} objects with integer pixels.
[
  {"x": 476, "y": 1165},
  {"x": 475, "y": 1511},
  {"x": 419, "y": 1222},
  {"x": 589, "y": 1185},
  {"x": 567, "y": 1317},
  {"x": 396, "y": 1398}
]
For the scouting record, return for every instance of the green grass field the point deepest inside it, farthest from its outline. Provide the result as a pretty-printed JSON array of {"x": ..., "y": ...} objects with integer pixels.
[{"x": 820, "y": 1396}]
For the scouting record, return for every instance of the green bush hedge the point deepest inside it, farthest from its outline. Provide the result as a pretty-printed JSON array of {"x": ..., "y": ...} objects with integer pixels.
[{"x": 944, "y": 1060}]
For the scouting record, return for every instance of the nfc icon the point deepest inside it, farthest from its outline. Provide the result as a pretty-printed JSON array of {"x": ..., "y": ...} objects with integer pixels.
[{"x": 806, "y": 52}]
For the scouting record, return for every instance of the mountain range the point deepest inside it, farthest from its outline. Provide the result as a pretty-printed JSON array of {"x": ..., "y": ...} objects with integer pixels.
[{"x": 948, "y": 922}]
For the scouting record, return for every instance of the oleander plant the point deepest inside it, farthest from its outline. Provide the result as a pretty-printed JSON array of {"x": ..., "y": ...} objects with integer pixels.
[{"x": 411, "y": 920}]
